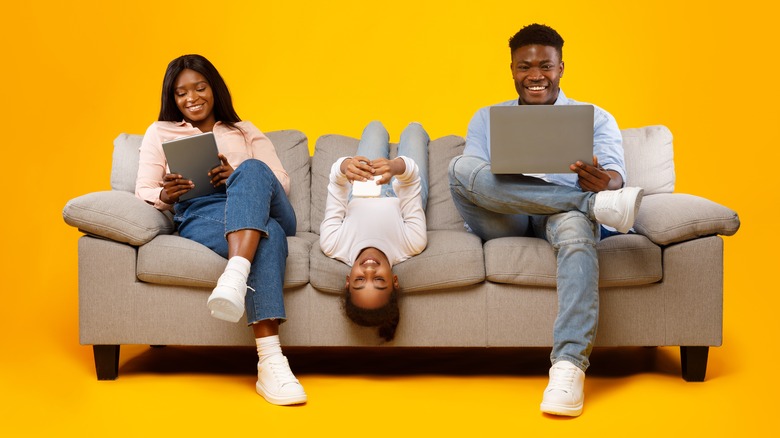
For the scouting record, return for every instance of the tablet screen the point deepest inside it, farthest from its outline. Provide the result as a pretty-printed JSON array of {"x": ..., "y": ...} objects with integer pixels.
[{"x": 193, "y": 157}]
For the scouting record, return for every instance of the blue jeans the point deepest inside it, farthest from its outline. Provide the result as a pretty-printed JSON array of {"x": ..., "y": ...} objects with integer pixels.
[
  {"x": 375, "y": 143},
  {"x": 497, "y": 206},
  {"x": 254, "y": 200}
]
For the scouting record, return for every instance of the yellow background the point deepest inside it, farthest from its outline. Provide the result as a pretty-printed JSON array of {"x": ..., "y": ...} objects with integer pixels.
[{"x": 76, "y": 74}]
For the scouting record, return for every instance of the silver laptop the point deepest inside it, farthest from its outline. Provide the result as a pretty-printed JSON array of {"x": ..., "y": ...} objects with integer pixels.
[
  {"x": 540, "y": 138},
  {"x": 193, "y": 157}
]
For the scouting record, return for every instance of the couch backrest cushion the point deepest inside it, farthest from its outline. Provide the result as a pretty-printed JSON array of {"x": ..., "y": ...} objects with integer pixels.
[
  {"x": 649, "y": 158},
  {"x": 441, "y": 213},
  {"x": 328, "y": 149},
  {"x": 291, "y": 146},
  {"x": 124, "y": 168}
]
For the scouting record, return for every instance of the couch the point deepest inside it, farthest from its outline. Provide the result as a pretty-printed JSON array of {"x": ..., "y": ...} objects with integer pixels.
[{"x": 140, "y": 283}]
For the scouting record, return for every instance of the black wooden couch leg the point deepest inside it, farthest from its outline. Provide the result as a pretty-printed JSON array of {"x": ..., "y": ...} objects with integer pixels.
[
  {"x": 106, "y": 361},
  {"x": 694, "y": 363}
]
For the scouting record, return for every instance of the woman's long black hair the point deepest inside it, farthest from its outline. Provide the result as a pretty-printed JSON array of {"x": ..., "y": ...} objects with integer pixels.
[{"x": 223, "y": 103}]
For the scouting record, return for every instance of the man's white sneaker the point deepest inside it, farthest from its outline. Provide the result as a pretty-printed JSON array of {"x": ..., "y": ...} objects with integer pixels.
[
  {"x": 618, "y": 208},
  {"x": 564, "y": 395},
  {"x": 227, "y": 299},
  {"x": 276, "y": 382}
]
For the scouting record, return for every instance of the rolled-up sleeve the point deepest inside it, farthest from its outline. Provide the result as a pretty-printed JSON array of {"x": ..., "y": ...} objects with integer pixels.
[{"x": 608, "y": 143}]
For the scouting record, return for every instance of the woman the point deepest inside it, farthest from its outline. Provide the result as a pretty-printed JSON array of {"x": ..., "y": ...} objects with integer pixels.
[
  {"x": 247, "y": 223},
  {"x": 371, "y": 234}
]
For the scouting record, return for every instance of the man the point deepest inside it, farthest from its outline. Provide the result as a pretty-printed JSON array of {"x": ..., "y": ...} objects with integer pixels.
[{"x": 568, "y": 210}]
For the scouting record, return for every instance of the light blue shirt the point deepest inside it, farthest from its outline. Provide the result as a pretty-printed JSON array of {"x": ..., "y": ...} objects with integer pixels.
[{"x": 607, "y": 140}]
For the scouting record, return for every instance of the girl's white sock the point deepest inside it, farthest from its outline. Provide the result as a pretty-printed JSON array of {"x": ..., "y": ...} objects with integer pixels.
[
  {"x": 240, "y": 265},
  {"x": 268, "y": 346}
]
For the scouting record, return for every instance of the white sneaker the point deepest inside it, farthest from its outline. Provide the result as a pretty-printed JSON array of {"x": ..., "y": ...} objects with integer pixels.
[
  {"x": 618, "y": 208},
  {"x": 227, "y": 300},
  {"x": 564, "y": 395},
  {"x": 276, "y": 382}
]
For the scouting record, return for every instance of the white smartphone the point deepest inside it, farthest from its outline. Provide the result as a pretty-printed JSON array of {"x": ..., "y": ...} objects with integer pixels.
[{"x": 367, "y": 189}]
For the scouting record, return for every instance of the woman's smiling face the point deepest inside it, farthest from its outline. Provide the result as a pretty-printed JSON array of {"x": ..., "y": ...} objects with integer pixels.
[{"x": 195, "y": 99}]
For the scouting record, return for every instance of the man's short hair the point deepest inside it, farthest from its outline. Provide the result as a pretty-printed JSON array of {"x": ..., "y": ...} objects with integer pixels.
[{"x": 537, "y": 34}]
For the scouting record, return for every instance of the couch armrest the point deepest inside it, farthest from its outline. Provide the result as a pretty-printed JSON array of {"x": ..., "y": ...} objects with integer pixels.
[
  {"x": 667, "y": 218},
  {"x": 118, "y": 216}
]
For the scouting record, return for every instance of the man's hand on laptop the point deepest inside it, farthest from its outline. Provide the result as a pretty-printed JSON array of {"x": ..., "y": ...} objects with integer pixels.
[{"x": 593, "y": 177}]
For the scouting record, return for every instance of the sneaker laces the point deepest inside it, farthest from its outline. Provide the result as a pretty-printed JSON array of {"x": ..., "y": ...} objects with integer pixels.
[
  {"x": 609, "y": 200},
  {"x": 562, "y": 379},
  {"x": 280, "y": 368},
  {"x": 233, "y": 281}
]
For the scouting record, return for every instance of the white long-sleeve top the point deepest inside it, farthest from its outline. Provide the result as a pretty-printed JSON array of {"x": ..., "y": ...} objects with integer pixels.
[{"x": 395, "y": 226}]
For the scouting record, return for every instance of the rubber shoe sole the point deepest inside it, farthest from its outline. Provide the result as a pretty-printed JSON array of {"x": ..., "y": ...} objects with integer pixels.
[
  {"x": 279, "y": 399},
  {"x": 224, "y": 309},
  {"x": 564, "y": 393},
  {"x": 557, "y": 409},
  {"x": 629, "y": 223}
]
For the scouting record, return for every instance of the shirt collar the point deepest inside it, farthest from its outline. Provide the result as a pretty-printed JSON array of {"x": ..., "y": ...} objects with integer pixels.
[
  {"x": 188, "y": 124},
  {"x": 562, "y": 99}
]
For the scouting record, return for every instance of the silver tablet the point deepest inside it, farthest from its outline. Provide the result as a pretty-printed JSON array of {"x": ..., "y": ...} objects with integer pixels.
[{"x": 193, "y": 157}]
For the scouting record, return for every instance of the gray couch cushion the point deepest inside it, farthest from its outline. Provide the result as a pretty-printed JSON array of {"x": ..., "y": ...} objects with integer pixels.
[
  {"x": 625, "y": 260},
  {"x": 116, "y": 215},
  {"x": 451, "y": 259},
  {"x": 293, "y": 150},
  {"x": 649, "y": 158},
  {"x": 174, "y": 260},
  {"x": 124, "y": 164},
  {"x": 329, "y": 148},
  {"x": 440, "y": 212},
  {"x": 326, "y": 274},
  {"x": 670, "y": 218}
]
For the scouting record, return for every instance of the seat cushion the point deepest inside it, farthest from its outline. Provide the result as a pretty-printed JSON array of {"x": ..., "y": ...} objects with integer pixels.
[
  {"x": 624, "y": 260},
  {"x": 452, "y": 259},
  {"x": 174, "y": 260}
]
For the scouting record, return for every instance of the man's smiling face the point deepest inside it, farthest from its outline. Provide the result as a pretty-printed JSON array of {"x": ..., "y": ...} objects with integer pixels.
[{"x": 537, "y": 72}]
